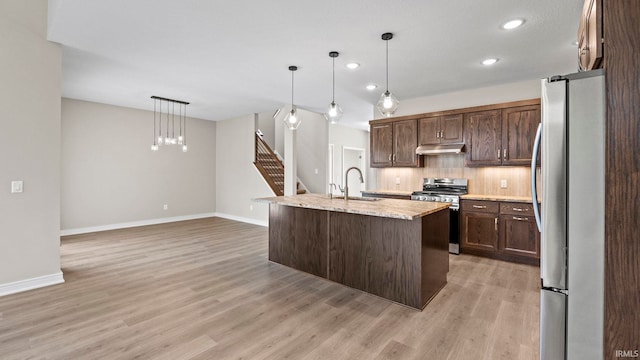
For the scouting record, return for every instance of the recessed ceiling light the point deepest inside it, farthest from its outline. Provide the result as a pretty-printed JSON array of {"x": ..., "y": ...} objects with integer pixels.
[
  {"x": 371, "y": 87},
  {"x": 489, "y": 61},
  {"x": 512, "y": 24},
  {"x": 353, "y": 66}
]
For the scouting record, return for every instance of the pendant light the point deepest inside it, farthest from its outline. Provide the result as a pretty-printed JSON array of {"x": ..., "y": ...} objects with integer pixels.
[
  {"x": 292, "y": 120},
  {"x": 169, "y": 137},
  {"x": 388, "y": 104},
  {"x": 334, "y": 112}
]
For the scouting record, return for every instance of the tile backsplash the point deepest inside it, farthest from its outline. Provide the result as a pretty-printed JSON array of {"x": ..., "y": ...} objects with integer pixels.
[{"x": 482, "y": 180}]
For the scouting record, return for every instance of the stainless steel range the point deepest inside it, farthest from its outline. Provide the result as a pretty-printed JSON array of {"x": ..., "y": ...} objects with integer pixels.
[{"x": 445, "y": 190}]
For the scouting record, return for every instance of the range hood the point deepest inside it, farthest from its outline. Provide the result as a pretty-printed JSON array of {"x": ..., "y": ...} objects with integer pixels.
[{"x": 439, "y": 149}]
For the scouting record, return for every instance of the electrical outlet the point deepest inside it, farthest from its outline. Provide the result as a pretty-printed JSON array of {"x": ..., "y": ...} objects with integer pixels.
[
  {"x": 250, "y": 207},
  {"x": 315, "y": 171},
  {"x": 397, "y": 181},
  {"x": 165, "y": 207},
  {"x": 503, "y": 183},
  {"x": 16, "y": 186}
]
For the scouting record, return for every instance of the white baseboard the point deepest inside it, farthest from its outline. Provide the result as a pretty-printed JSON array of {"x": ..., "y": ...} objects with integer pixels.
[
  {"x": 30, "y": 284},
  {"x": 134, "y": 224},
  {"x": 243, "y": 219}
]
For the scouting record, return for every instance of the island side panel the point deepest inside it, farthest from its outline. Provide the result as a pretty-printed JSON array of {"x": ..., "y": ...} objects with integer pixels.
[
  {"x": 378, "y": 255},
  {"x": 349, "y": 235},
  {"x": 394, "y": 264},
  {"x": 298, "y": 238},
  {"x": 435, "y": 253}
]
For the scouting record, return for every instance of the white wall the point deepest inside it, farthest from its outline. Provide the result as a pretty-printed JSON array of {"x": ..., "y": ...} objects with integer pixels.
[
  {"x": 312, "y": 138},
  {"x": 237, "y": 179},
  {"x": 110, "y": 175},
  {"x": 30, "y": 148},
  {"x": 266, "y": 124},
  {"x": 523, "y": 90}
]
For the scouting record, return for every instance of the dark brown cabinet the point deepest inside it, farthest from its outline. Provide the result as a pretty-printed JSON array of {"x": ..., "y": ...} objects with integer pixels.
[
  {"x": 483, "y": 138},
  {"x": 501, "y": 137},
  {"x": 590, "y": 40},
  {"x": 394, "y": 144},
  {"x": 381, "y": 137},
  {"x": 519, "y": 126},
  {"x": 479, "y": 225},
  {"x": 501, "y": 230},
  {"x": 440, "y": 129}
]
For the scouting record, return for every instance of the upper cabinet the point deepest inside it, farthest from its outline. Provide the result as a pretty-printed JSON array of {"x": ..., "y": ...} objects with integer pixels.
[
  {"x": 482, "y": 137},
  {"x": 440, "y": 129},
  {"x": 590, "y": 40},
  {"x": 493, "y": 135},
  {"x": 501, "y": 137},
  {"x": 519, "y": 126},
  {"x": 381, "y": 141},
  {"x": 394, "y": 143}
]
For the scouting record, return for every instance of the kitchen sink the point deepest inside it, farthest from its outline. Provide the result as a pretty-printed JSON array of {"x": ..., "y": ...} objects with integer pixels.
[{"x": 358, "y": 198}]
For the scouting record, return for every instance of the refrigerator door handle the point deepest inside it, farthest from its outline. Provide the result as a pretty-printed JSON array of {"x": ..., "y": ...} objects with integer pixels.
[{"x": 534, "y": 187}]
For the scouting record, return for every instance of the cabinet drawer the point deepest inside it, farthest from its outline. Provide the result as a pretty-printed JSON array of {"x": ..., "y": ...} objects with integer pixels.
[
  {"x": 509, "y": 208},
  {"x": 480, "y": 206}
]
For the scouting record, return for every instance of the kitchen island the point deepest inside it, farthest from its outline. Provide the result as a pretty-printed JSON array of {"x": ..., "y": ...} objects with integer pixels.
[{"x": 395, "y": 249}]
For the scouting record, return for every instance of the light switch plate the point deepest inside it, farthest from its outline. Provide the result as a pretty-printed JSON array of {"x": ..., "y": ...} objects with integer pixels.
[
  {"x": 397, "y": 181},
  {"x": 16, "y": 186},
  {"x": 503, "y": 183}
]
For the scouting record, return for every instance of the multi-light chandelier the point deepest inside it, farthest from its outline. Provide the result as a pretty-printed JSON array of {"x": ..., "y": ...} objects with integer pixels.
[{"x": 168, "y": 137}]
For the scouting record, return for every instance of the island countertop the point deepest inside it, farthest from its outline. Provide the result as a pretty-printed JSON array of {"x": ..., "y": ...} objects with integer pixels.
[{"x": 389, "y": 208}]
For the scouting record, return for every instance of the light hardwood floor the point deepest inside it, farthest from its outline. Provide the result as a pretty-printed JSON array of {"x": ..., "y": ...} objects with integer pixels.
[{"x": 203, "y": 289}]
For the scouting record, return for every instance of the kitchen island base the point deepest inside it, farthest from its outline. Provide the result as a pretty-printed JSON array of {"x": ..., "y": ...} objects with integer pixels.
[{"x": 405, "y": 261}]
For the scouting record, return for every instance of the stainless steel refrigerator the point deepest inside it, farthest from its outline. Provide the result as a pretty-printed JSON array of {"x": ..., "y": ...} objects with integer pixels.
[{"x": 571, "y": 138}]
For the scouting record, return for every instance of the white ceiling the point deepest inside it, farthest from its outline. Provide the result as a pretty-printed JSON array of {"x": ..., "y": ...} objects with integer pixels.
[{"x": 231, "y": 58}]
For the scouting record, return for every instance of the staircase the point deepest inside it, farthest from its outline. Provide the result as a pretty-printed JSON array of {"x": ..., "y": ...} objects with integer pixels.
[{"x": 271, "y": 168}]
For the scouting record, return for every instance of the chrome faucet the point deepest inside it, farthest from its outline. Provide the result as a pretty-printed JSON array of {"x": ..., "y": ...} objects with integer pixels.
[{"x": 346, "y": 181}]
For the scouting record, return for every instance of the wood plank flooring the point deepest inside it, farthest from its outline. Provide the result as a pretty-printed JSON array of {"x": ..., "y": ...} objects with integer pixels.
[{"x": 203, "y": 289}]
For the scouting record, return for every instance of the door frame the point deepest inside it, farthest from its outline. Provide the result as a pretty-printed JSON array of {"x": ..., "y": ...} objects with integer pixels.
[{"x": 361, "y": 166}]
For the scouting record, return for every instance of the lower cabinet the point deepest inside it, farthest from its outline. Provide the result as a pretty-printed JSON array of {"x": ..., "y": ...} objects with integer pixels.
[{"x": 501, "y": 230}]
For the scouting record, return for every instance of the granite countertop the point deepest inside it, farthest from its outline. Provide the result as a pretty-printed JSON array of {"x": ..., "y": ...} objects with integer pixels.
[
  {"x": 504, "y": 198},
  {"x": 389, "y": 192},
  {"x": 389, "y": 208}
]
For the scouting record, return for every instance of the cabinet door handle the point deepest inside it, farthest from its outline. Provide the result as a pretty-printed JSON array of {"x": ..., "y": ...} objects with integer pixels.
[
  {"x": 520, "y": 218},
  {"x": 504, "y": 154},
  {"x": 495, "y": 221},
  {"x": 441, "y": 134},
  {"x": 519, "y": 209},
  {"x": 389, "y": 157},
  {"x": 479, "y": 207},
  {"x": 498, "y": 154},
  {"x": 394, "y": 157}
]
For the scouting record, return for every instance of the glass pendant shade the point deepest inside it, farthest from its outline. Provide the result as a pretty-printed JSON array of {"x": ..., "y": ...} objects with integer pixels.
[
  {"x": 292, "y": 120},
  {"x": 388, "y": 104},
  {"x": 334, "y": 113}
]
